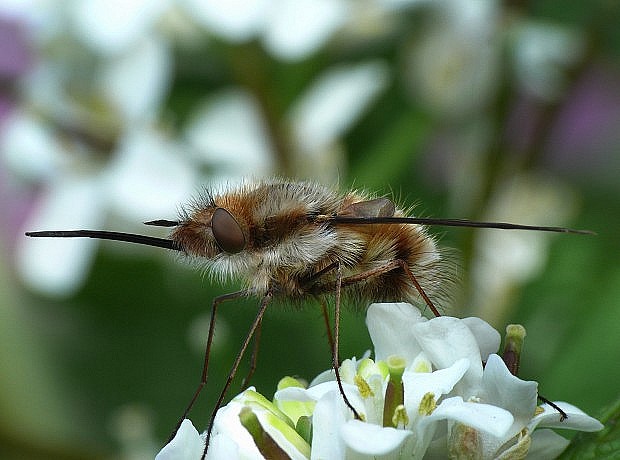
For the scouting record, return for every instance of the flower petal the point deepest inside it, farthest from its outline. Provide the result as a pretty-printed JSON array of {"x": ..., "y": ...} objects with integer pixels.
[
  {"x": 137, "y": 81},
  {"x": 438, "y": 383},
  {"x": 501, "y": 388},
  {"x": 234, "y": 20},
  {"x": 297, "y": 28},
  {"x": 546, "y": 444},
  {"x": 372, "y": 440},
  {"x": 334, "y": 102},
  {"x": 59, "y": 266},
  {"x": 228, "y": 132},
  {"x": 391, "y": 330},
  {"x": 577, "y": 419},
  {"x": 294, "y": 402},
  {"x": 149, "y": 176},
  {"x": 235, "y": 438},
  {"x": 328, "y": 418},
  {"x": 187, "y": 444},
  {"x": 29, "y": 147},
  {"x": 445, "y": 340},
  {"x": 483, "y": 417},
  {"x": 487, "y": 337},
  {"x": 109, "y": 26}
]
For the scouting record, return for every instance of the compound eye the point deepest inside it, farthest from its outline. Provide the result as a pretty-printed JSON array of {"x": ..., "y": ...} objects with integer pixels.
[{"x": 227, "y": 233}]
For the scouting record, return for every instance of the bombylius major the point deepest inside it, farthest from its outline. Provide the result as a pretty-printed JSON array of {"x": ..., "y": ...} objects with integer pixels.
[{"x": 299, "y": 239}]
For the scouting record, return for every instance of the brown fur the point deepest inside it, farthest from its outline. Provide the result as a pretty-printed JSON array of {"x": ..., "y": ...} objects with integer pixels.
[{"x": 289, "y": 239}]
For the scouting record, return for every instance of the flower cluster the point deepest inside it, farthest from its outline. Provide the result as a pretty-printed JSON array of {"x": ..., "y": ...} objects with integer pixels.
[{"x": 435, "y": 388}]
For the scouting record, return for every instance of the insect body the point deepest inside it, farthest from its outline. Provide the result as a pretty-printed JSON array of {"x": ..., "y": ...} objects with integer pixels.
[
  {"x": 299, "y": 239},
  {"x": 282, "y": 237}
]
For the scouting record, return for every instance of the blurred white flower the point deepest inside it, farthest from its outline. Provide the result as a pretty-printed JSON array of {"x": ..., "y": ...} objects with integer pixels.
[
  {"x": 87, "y": 134},
  {"x": 136, "y": 82},
  {"x": 430, "y": 395},
  {"x": 295, "y": 29},
  {"x": 227, "y": 132},
  {"x": 334, "y": 102},
  {"x": 325, "y": 112},
  {"x": 504, "y": 260},
  {"x": 543, "y": 52},
  {"x": 289, "y": 29},
  {"x": 233, "y": 20},
  {"x": 111, "y": 26},
  {"x": 453, "y": 67}
]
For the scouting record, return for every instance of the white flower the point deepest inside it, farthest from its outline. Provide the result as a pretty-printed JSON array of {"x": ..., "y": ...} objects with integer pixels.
[
  {"x": 543, "y": 52},
  {"x": 87, "y": 134},
  {"x": 505, "y": 260},
  {"x": 427, "y": 392},
  {"x": 453, "y": 68},
  {"x": 290, "y": 29}
]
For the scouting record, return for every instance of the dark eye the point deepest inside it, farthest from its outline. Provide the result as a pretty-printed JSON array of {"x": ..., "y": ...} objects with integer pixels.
[{"x": 227, "y": 233}]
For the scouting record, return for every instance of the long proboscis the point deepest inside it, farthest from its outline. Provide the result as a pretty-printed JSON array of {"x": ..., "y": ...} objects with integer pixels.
[
  {"x": 454, "y": 223},
  {"x": 105, "y": 235},
  {"x": 170, "y": 244}
]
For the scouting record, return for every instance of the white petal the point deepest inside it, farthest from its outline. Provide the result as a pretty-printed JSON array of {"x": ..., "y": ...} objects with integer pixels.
[
  {"x": 369, "y": 439},
  {"x": 297, "y": 28},
  {"x": 487, "y": 337},
  {"x": 577, "y": 419},
  {"x": 445, "y": 340},
  {"x": 502, "y": 389},
  {"x": 546, "y": 444},
  {"x": 228, "y": 133},
  {"x": 542, "y": 52},
  {"x": 29, "y": 147},
  {"x": 294, "y": 402},
  {"x": 483, "y": 417},
  {"x": 149, "y": 177},
  {"x": 234, "y": 20},
  {"x": 111, "y": 25},
  {"x": 454, "y": 69},
  {"x": 323, "y": 377},
  {"x": 334, "y": 102},
  {"x": 391, "y": 330},
  {"x": 228, "y": 425},
  {"x": 505, "y": 390},
  {"x": 137, "y": 81},
  {"x": 284, "y": 435},
  {"x": 438, "y": 383},
  {"x": 327, "y": 420},
  {"x": 187, "y": 444},
  {"x": 58, "y": 266}
]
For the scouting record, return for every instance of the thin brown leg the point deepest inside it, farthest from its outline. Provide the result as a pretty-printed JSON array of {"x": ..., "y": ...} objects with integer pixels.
[
  {"x": 328, "y": 327},
  {"x": 349, "y": 280},
  {"x": 563, "y": 415},
  {"x": 205, "y": 366},
  {"x": 254, "y": 357},
  {"x": 335, "y": 344},
  {"x": 255, "y": 325}
]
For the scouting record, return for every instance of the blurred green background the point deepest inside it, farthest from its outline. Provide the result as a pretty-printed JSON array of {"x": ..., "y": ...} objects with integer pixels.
[{"x": 111, "y": 116}]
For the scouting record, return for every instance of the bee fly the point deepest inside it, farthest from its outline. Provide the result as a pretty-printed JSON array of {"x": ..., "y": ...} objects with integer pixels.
[{"x": 297, "y": 240}]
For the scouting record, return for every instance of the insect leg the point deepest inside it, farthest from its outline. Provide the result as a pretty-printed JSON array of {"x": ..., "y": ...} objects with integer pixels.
[
  {"x": 335, "y": 345},
  {"x": 254, "y": 357},
  {"x": 255, "y": 325},
  {"x": 388, "y": 268},
  {"x": 205, "y": 366},
  {"x": 328, "y": 327},
  {"x": 563, "y": 415}
]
